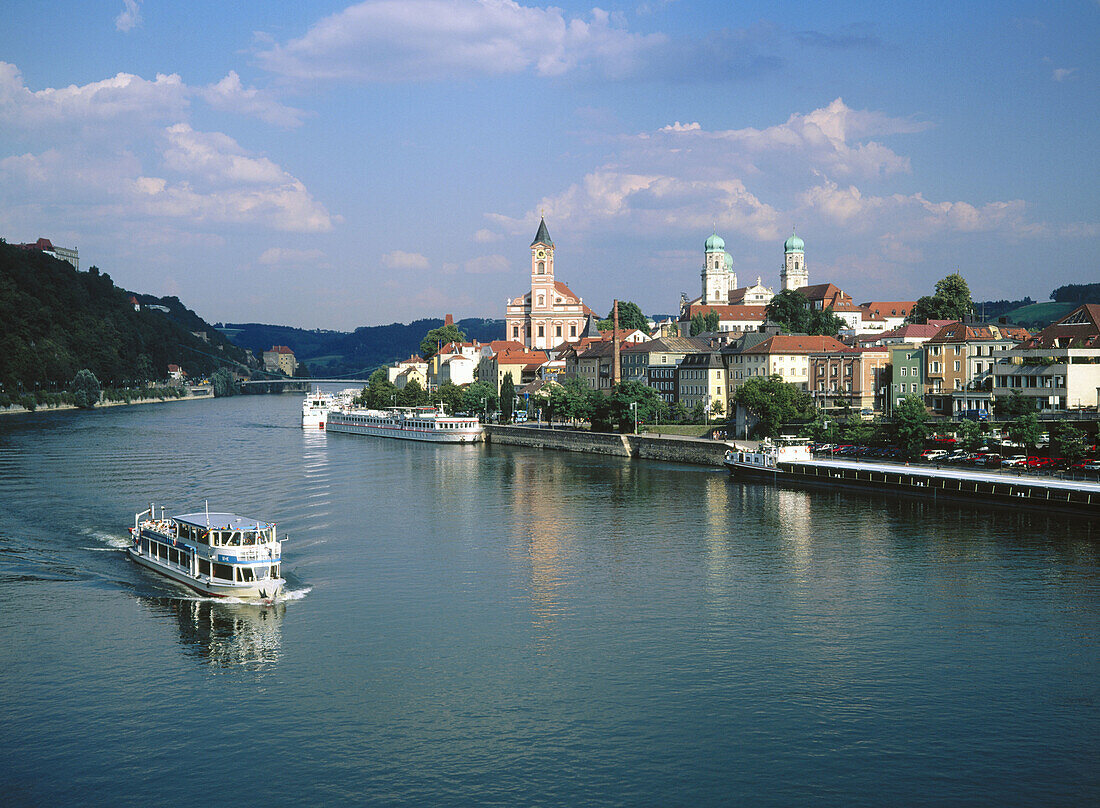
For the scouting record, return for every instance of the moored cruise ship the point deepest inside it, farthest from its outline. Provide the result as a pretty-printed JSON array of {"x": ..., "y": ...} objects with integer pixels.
[
  {"x": 408, "y": 423},
  {"x": 216, "y": 554},
  {"x": 315, "y": 408}
]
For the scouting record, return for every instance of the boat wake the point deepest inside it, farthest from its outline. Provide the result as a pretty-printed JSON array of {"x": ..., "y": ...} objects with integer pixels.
[
  {"x": 293, "y": 594},
  {"x": 112, "y": 540}
]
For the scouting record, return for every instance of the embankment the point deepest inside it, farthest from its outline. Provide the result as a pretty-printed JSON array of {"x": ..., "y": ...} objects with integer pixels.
[{"x": 672, "y": 448}]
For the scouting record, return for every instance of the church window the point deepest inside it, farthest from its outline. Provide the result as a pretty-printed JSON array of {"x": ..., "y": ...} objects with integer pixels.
[
  {"x": 572, "y": 331},
  {"x": 542, "y": 267},
  {"x": 515, "y": 332},
  {"x": 557, "y": 331},
  {"x": 542, "y": 300},
  {"x": 541, "y": 331}
]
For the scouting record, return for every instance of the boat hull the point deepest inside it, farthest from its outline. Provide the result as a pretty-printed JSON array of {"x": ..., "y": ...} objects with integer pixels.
[
  {"x": 265, "y": 590},
  {"x": 430, "y": 436}
]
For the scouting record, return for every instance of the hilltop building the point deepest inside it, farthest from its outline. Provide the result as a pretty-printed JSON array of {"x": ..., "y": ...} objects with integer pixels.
[
  {"x": 550, "y": 313},
  {"x": 280, "y": 359},
  {"x": 46, "y": 246}
]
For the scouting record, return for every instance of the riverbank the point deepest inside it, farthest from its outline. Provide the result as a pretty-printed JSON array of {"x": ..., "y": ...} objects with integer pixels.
[
  {"x": 17, "y": 410},
  {"x": 669, "y": 448}
]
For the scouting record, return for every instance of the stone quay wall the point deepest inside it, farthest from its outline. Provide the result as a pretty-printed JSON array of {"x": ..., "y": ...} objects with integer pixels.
[{"x": 671, "y": 448}]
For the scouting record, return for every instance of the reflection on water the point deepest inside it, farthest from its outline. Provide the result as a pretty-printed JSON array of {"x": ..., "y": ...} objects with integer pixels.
[{"x": 226, "y": 634}]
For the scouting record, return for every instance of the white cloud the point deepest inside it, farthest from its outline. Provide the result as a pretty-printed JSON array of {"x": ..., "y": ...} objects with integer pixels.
[
  {"x": 399, "y": 259},
  {"x": 130, "y": 16},
  {"x": 420, "y": 40},
  {"x": 1063, "y": 73},
  {"x": 229, "y": 95},
  {"x": 484, "y": 236},
  {"x": 487, "y": 265},
  {"x": 285, "y": 255}
]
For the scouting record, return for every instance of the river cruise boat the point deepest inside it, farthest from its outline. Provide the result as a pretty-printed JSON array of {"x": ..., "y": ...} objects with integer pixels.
[
  {"x": 217, "y": 554},
  {"x": 315, "y": 408},
  {"x": 764, "y": 462},
  {"x": 408, "y": 423}
]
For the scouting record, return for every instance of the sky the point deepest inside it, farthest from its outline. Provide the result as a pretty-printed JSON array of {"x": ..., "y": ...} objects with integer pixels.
[{"x": 333, "y": 164}]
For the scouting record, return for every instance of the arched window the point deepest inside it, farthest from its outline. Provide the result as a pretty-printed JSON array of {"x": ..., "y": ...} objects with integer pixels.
[
  {"x": 542, "y": 267},
  {"x": 542, "y": 301}
]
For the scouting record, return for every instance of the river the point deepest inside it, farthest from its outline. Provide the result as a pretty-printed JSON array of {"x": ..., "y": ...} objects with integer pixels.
[{"x": 503, "y": 626}]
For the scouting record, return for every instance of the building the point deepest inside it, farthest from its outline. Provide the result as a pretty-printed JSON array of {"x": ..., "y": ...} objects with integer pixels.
[
  {"x": 783, "y": 355},
  {"x": 550, "y": 313},
  {"x": 454, "y": 362},
  {"x": 906, "y": 373},
  {"x": 853, "y": 377},
  {"x": 959, "y": 362},
  {"x": 654, "y": 362},
  {"x": 408, "y": 370},
  {"x": 522, "y": 364},
  {"x": 890, "y": 313},
  {"x": 701, "y": 379},
  {"x": 280, "y": 359},
  {"x": 1058, "y": 368},
  {"x": 793, "y": 273},
  {"x": 730, "y": 318},
  {"x": 44, "y": 245}
]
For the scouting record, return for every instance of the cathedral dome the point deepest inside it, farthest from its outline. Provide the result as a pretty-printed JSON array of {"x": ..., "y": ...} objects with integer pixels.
[
  {"x": 715, "y": 243},
  {"x": 794, "y": 244},
  {"x": 729, "y": 262}
]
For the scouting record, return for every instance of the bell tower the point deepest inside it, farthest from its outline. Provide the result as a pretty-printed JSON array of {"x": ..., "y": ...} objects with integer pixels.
[
  {"x": 793, "y": 273},
  {"x": 542, "y": 287}
]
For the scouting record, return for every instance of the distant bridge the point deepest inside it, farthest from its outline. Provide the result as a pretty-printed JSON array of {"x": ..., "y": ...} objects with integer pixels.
[{"x": 293, "y": 385}]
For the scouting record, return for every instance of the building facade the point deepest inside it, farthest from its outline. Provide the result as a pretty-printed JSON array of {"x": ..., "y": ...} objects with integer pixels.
[
  {"x": 550, "y": 313},
  {"x": 907, "y": 374}
]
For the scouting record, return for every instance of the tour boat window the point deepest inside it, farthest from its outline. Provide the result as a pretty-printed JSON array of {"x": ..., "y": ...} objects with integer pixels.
[
  {"x": 245, "y": 574},
  {"x": 223, "y": 571},
  {"x": 204, "y": 567},
  {"x": 274, "y": 570}
]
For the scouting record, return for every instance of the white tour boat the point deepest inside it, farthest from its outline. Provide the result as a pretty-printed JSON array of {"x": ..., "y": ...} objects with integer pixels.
[
  {"x": 315, "y": 408},
  {"x": 216, "y": 554},
  {"x": 764, "y": 462},
  {"x": 408, "y": 423}
]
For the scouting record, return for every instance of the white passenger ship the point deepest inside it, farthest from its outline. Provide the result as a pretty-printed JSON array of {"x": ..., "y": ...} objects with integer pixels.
[
  {"x": 766, "y": 459},
  {"x": 315, "y": 408},
  {"x": 216, "y": 554},
  {"x": 409, "y": 423}
]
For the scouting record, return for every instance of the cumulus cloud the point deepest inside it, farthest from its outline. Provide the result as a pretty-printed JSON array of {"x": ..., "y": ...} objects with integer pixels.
[
  {"x": 399, "y": 259},
  {"x": 285, "y": 255},
  {"x": 484, "y": 236},
  {"x": 130, "y": 16},
  {"x": 1063, "y": 73},
  {"x": 230, "y": 95},
  {"x": 420, "y": 40},
  {"x": 487, "y": 264}
]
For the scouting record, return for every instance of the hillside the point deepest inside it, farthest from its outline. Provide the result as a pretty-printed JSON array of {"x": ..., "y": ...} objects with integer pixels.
[
  {"x": 339, "y": 353},
  {"x": 1039, "y": 315},
  {"x": 58, "y": 320}
]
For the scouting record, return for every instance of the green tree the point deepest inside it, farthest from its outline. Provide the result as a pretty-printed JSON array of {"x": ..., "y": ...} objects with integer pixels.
[
  {"x": 449, "y": 395},
  {"x": 440, "y": 336},
  {"x": 773, "y": 402},
  {"x": 970, "y": 435},
  {"x": 1013, "y": 405},
  {"x": 1024, "y": 430},
  {"x": 224, "y": 383},
  {"x": 710, "y": 321},
  {"x": 951, "y": 301},
  {"x": 412, "y": 395},
  {"x": 630, "y": 317},
  {"x": 85, "y": 389},
  {"x": 623, "y": 400},
  {"x": 379, "y": 393},
  {"x": 824, "y": 322},
  {"x": 507, "y": 398},
  {"x": 698, "y": 324},
  {"x": 910, "y": 425},
  {"x": 480, "y": 397},
  {"x": 1070, "y": 442},
  {"x": 790, "y": 309},
  {"x": 580, "y": 399}
]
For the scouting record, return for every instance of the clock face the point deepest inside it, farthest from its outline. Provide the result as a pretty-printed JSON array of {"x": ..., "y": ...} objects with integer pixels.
[{"x": 542, "y": 253}]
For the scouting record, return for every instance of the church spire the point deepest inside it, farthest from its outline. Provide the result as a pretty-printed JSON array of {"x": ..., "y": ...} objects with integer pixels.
[{"x": 543, "y": 236}]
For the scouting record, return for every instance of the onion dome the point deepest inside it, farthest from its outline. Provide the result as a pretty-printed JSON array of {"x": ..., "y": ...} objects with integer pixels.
[
  {"x": 794, "y": 244},
  {"x": 729, "y": 262},
  {"x": 715, "y": 243}
]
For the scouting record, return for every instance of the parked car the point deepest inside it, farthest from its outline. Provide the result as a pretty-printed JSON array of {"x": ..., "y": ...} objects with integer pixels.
[
  {"x": 1016, "y": 461},
  {"x": 932, "y": 455}
]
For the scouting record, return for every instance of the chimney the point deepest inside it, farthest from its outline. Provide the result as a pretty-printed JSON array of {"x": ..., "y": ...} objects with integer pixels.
[{"x": 615, "y": 344}]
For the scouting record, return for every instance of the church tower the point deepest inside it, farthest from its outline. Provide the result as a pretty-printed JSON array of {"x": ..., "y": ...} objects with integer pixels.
[
  {"x": 717, "y": 275},
  {"x": 542, "y": 286},
  {"x": 793, "y": 274}
]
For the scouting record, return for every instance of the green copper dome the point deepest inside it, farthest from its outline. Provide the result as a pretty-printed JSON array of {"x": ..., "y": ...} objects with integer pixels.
[
  {"x": 715, "y": 243},
  {"x": 729, "y": 263},
  {"x": 794, "y": 244}
]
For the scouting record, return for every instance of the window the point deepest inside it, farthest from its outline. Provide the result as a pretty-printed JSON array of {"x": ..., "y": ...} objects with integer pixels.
[
  {"x": 557, "y": 329},
  {"x": 903, "y": 370},
  {"x": 515, "y": 332},
  {"x": 572, "y": 331},
  {"x": 542, "y": 268},
  {"x": 956, "y": 365},
  {"x": 542, "y": 300}
]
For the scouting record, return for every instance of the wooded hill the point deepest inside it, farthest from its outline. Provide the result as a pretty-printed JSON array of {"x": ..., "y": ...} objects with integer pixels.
[
  {"x": 338, "y": 353},
  {"x": 57, "y": 321}
]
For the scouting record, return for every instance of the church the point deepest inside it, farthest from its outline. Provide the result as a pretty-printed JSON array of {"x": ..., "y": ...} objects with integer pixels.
[{"x": 550, "y": 314}]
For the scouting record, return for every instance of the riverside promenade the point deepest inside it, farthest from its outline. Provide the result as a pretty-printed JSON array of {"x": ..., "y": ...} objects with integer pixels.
[{"x": 670, "y": 448}]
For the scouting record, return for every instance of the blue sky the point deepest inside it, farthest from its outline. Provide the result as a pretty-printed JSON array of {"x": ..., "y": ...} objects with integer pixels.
[{"x": 335, "y": 164}]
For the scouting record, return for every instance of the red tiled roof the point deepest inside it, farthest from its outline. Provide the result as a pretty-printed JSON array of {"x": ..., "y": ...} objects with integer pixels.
[
  {"x": 796, "y": 344},
  {"x": 888, "y": 308},
  {"x": 1078, "y": 329},
  {"x": 282, "y": 349},
  {"x": 521, "y": 357}
]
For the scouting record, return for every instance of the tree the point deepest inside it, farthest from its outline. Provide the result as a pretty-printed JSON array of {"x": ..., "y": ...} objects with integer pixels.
[
  {"x": 825, "y": 322},
  {"x": 698, "y": 324},
  {"x": 379, "y": 393},
  {"x": 412, "y": 394},
  {"x": 773, "y": 402},
  {"x": 951, "y": 301},
  {"x": 580, "y": 399},
  {"x": 480, "y": 397},
  {"x": 429, "y": 346},
  {"x": 790, "y": 309},
  {"x": 630, "y": 317},
  {"x": 910, "y": 427},
  {"x": 970, "y": 435},
  {"x": 1070, "y": 442},
  {"x": 627, "y": 394},
  {"x": 85, "y": 389},
  {"x": 507, "y": 398},
  {"x": 224, "y": 383},
  {"x": 449, "y": 395},
  {"x": 1014, "y": 404},
  {"x": 1024, "y": 430}
]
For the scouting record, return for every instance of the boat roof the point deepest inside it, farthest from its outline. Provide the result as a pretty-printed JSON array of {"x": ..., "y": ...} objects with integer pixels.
[{"x": 222, "y": 521}]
